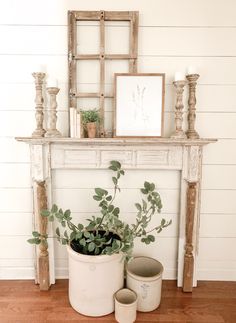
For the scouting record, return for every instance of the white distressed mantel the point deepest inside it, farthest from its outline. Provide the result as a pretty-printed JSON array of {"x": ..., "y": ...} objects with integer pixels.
[{"x": 184, "y": 155}]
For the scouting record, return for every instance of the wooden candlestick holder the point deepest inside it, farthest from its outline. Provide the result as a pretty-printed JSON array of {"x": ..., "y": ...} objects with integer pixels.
[
  {"x": 179, "y": 133},
  {"x": 52, "y": 130},
  {"x": 39, "y": 116},
  {"x": 192, "y": 82}
]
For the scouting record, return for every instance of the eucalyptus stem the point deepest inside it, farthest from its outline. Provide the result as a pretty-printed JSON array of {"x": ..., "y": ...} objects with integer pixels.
[
  {"x": 135, "y": 229},
  {"x": 113, "y": 198},
  {"x": 159, "y": 226},
  {"x": 71, "y": 225}
]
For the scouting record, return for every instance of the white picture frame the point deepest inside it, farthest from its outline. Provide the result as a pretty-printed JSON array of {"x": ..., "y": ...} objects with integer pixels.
[{"x": 139, "y": 105}]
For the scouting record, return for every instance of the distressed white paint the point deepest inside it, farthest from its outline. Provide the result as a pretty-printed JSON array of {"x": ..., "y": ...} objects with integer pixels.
[{"x": 167, "y": 154}]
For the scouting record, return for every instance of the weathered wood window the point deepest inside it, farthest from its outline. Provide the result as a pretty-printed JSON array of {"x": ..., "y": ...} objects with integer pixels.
[{"x": 100, "y": 18}]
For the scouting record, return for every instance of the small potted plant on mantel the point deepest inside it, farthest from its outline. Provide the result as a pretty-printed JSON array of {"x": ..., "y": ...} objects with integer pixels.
[
  {"x": 90, "y": 119},
  {"x": 97, "y": 250}
]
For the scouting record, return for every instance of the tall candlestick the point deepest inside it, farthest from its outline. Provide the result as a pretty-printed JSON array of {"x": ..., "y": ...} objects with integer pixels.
[
  {"x": 52, "y": 130},
  {"x": 179, "y": 133},
  {"x": 192, "y": 82},
  {"x": 39, "y": 116}
]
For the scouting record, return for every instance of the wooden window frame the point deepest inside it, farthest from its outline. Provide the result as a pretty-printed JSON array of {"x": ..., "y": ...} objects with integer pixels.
[{"x": 73, "y": 57}]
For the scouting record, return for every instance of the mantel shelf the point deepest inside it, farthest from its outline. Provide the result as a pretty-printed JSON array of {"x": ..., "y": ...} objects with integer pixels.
[{"x": 119, "y": 141}]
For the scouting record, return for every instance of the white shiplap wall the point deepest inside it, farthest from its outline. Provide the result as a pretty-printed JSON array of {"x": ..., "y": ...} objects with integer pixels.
[{"x": 172, "y": 36}]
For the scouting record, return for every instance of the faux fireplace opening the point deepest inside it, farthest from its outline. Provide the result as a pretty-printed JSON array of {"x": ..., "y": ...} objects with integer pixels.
[{"x": 74, "y": 189}]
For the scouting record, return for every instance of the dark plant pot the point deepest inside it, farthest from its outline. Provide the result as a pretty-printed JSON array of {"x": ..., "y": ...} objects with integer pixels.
[{"x": 78, "y": 248}]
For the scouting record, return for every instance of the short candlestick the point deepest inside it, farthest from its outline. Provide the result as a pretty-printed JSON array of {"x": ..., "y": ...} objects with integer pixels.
[
  {"x": 179, "y": 133},
  {"x": 52, "y": 130}
]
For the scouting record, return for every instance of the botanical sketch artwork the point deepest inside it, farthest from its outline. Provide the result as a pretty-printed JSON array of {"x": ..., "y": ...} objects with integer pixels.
[
  {"x": 139, "y": 105},
  {"x": 138, "y": 98}
]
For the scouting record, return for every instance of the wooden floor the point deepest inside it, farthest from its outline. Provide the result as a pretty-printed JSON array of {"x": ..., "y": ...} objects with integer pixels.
[{"x": 210, "y": 302}]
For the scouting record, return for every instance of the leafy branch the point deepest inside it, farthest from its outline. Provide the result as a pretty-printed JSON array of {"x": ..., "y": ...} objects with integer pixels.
[{"x": 107, "y": 234}]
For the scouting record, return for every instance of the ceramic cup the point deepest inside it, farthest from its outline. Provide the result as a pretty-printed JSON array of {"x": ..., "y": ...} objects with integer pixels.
[{"x": 125, "y": 306}]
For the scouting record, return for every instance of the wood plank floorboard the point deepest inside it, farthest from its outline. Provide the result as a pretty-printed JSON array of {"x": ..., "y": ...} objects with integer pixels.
[{"x": 211, "y": 302}]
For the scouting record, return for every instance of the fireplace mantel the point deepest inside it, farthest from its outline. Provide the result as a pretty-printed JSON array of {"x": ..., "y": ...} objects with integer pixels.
[
  {"x": 184, "y": 155},
  {"x": 118, "y": 141}
]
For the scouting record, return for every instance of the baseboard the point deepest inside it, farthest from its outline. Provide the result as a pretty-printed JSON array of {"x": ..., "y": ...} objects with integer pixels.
[
  {"x": 217, "y": 274},
  {"x": 16, "y": 273},
  {"x": 62, "y": 273}
]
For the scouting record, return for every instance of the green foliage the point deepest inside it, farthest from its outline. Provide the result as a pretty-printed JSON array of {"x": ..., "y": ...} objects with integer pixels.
[
  {"x": 90, "y": 116},
  {"x": 107, "y": 233}
]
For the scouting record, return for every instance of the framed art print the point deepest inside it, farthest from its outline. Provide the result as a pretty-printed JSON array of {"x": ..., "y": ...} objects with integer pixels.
[{"x": 139, "y": 105}]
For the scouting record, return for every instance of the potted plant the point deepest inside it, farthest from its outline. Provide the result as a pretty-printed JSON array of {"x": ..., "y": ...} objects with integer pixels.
[
  {"x": 90, "y": 118},
  {"x": 97, "y": 250}
]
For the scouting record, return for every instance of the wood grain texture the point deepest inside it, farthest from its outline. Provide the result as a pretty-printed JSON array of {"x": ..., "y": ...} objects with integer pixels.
[
  {"x": 192, "y": 81},
  {"x": 101, "y": 16},
  {"x": 211, "y": 302},
  {"x": 39, "y": 114},
  {"x": 52, "y": 113},
  {"x": 133, "y": 48},
  {"x": 188, "y": 257},
  {"x": 179, "y": 106},
  {"x": 102, "y": 73},
  {"x": 43, "y": 260}
]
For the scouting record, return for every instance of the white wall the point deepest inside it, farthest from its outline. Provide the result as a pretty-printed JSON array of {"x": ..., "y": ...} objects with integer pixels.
[{"x": 172, "y": 36}]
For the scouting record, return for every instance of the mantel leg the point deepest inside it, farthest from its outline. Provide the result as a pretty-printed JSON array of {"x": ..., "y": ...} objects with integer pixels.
[
  {"x": 188, "y": 256},
  {"x": 43, "y": 257}
]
